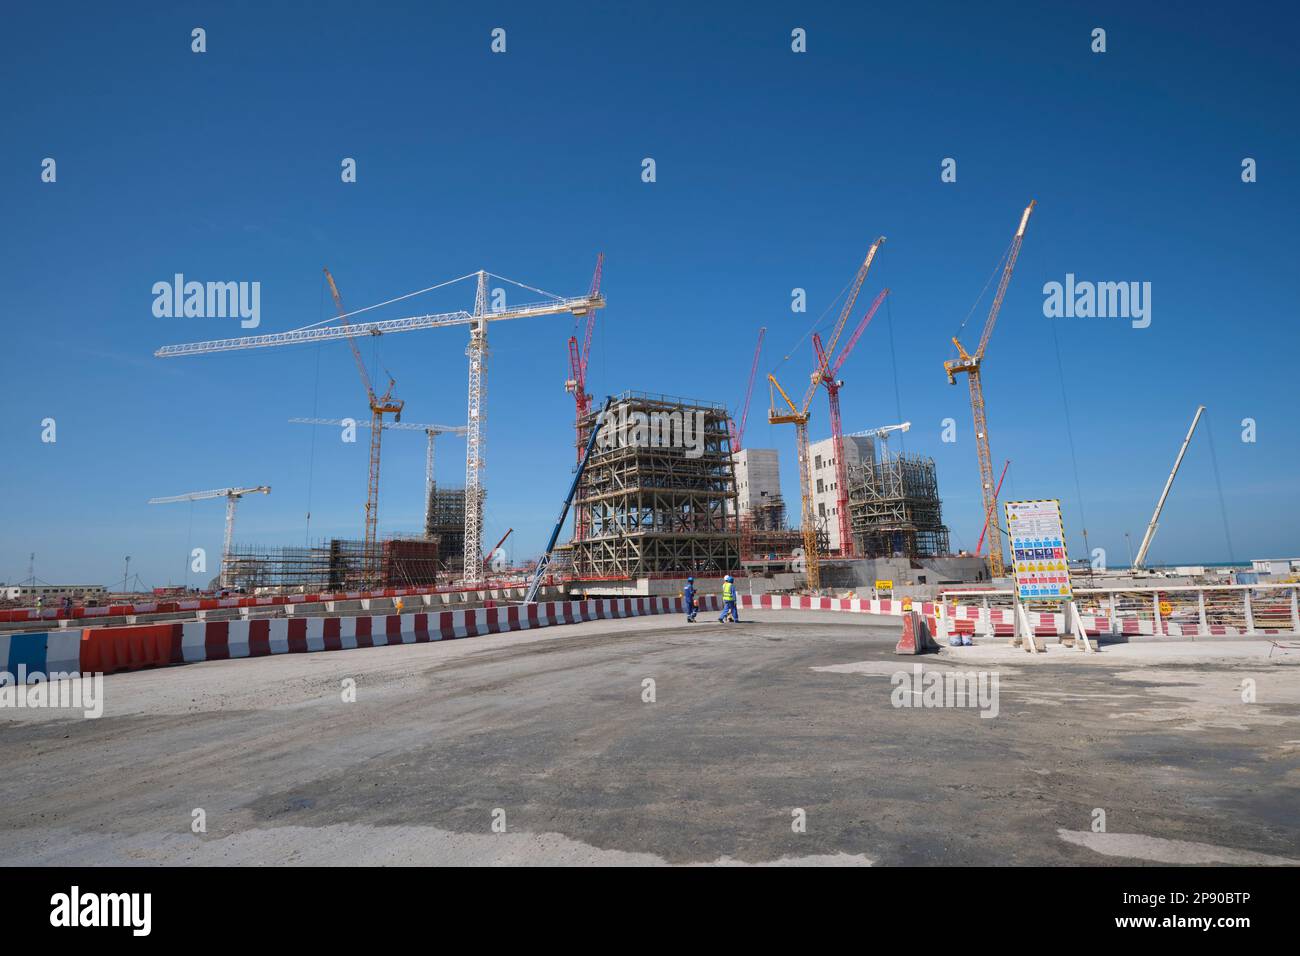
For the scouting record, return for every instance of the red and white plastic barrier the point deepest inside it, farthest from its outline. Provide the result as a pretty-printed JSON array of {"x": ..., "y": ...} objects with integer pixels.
[
  {"x": 110, "y": 649},
  {"x": 211, "y": 604}
]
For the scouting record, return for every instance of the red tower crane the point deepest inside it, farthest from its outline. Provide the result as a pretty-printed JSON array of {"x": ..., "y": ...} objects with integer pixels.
[
  {"x": 833, "y": 385},
  {"x": 576, "y": 385},
  {"x": 979, "y": 548},
  {"x": 738, "y": 433}
]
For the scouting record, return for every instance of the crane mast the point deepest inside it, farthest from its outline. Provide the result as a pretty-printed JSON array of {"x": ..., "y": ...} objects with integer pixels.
[
  {"x": 477, "y": 351},
  {"x": 807, "y": 523},
  {"x": 431, "y": 432},
  {"x": 970, "y": 364},
  {"x": 379, "y": 406},
  {"x": 232, "y": 496},
  {"x": 577, "y": 384},
  {"x": 798, "y": 416},
  {"x": 830, "y": 378}
]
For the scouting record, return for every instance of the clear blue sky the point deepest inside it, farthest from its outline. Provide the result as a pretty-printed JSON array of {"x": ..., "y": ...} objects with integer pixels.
[{"x": 775, "y": 171}]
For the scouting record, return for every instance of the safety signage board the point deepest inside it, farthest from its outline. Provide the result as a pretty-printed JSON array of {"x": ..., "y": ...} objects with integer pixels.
[
  {"x": 1038, "y": 550},
  {"x": 884, "y": 585}
]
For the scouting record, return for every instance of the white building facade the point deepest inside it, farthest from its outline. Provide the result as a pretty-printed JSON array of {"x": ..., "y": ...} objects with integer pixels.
[
  {"x": 825, "y": 480},
  {"x": 758, "y": 477}
]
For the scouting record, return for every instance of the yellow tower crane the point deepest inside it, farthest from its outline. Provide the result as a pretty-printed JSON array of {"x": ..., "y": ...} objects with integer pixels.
[
  {"x": 379, "y": 407},
  {"x": 970, "y": 364},
  {"x": 798, "y": 416}
]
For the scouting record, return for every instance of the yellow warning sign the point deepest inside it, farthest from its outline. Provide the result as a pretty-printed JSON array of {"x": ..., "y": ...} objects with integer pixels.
[{"x": 884, "y": 585}]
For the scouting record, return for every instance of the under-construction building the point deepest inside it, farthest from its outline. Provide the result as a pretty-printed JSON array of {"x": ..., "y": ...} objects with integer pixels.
[
  {"x": 658, "y": 496},
  {"x": 336, "y": 565},
  {"x": 444, "y": 522},
  {"x": 894, "y": 508}
]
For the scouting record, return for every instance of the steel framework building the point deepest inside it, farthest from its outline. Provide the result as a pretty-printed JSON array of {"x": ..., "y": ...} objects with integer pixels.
[
  {"x": 895, "y": 509},
  {"x": 337, "y": 565},
  {"x": 444, "y": 523},
  {"x": 659, "y": 493}
]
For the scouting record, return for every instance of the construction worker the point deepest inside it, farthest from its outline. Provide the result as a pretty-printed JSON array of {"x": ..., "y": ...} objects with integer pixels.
[
  {"x": 728, "y": 600},
  {"x": 688, "y": 592},
  {"x": 398, "y": 604}
]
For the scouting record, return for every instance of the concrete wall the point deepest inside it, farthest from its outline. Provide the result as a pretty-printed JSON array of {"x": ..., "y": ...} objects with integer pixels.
[
  {"x": 826, "y": 501},
  {"x": 758, "y": 477}
]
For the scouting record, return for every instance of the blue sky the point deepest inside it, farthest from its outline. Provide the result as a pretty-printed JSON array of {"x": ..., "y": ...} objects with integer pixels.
[{"x": 775, "y": 170}]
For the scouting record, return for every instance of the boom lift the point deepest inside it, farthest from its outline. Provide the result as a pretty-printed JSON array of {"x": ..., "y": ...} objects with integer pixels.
[
  {"x": 1147, "y": 538},
  {"x": 530, "y": 596}
]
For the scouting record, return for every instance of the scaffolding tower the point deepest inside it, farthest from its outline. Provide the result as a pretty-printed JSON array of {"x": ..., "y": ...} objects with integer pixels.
[
  {"x": 336, "y": 565},
  {"x": 658, "y": 496},
  {"x": 894, "y": 507},
  {"x": 445, "y": 523}
]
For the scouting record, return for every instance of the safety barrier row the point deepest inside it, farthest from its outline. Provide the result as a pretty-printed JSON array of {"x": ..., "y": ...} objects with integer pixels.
[
  {"x": 111, "y": 649},
  {"x": 212, "y": 604},
  {"x": 106, "y": 650}
]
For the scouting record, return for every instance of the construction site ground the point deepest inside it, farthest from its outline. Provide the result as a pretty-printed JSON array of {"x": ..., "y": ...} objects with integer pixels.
[{"x": 546, "y": 734}]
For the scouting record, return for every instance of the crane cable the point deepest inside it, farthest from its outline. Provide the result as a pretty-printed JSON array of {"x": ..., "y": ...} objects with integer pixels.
[
  {"x": 311, "y": 457},
  {"x": 978, "y": 299},
  {"x": 1069, "y": 434},
  {"x": 815, "y": 326},
  {"x": 893, "y": 359},
  {"x": 379, "y": 305}
]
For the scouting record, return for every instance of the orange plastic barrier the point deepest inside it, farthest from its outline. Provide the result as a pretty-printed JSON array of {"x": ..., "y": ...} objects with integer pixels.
[{"x": 106, "y": 650}]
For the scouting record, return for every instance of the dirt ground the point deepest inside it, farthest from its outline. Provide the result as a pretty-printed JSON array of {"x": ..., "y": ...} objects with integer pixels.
[{"x": 777, "y": 740}]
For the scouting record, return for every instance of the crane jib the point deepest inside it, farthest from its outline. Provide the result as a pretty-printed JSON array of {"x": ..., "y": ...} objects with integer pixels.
[{"x": 408, "y": 324}]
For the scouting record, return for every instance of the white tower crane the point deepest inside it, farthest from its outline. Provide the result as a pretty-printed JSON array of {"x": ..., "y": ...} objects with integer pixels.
[
  {"x": 477, "y": 352},
  {"x": 232, "y": 496},
  {"x": 431, "y": 431},
  {"x": 882, "y": 433}
]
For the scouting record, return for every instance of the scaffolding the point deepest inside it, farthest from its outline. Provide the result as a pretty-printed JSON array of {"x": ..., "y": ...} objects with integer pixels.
[
  {"x": 894, "y": 508},
  {"x": 658, "y": 496},
  {"x": 445, "y": 524},
  {"x": 335, "y": 564}
]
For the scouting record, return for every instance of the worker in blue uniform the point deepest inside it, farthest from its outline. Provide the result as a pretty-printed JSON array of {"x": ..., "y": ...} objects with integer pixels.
[{"x": 692, "y": 609}]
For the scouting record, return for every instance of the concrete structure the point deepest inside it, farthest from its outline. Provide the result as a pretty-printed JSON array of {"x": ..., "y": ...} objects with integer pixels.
[
  {"x": 825, "y": 484},
  {"x": 758, "y": 478}
]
